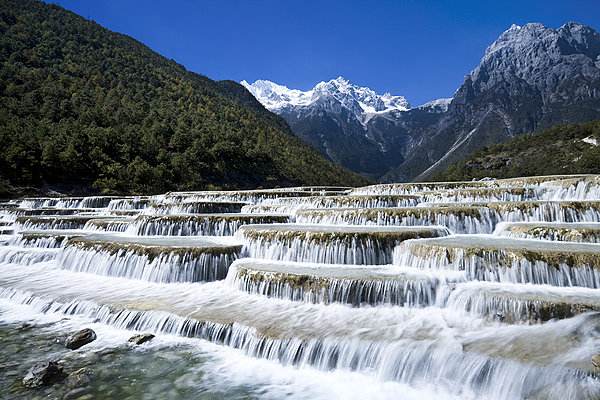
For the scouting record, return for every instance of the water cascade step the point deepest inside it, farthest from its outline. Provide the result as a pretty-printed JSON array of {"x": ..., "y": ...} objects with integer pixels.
[
  {"x": 54, "y": 222},
  {"x": 331, "y": 283},
  {"x": 200, "y": 224},
  {"x": 245, "y": 196},
  {"x": 130, "y": 203},
  {"x": 458, "y": 218},
  {"x": 329, "y": 244},
  {"x": 409, "y": 345},
  {"x": 198, "y": 207},
  {"x": 347, "y": 201},
  {"x": 485, "y": 289},
  {"x": 485, "y": 194},
  {"x": 498, "y": 259},
  {"x": 556, "y": 231},
  {"x": 115, "y": 224},
  {"x": 155, "y": 259},
  {"x": 513, "y": 303},
  {"x": 47, "y": 239}
]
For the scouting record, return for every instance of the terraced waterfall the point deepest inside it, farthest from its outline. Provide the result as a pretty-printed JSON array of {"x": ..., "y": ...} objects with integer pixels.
[{"x": 459, "y": 290}]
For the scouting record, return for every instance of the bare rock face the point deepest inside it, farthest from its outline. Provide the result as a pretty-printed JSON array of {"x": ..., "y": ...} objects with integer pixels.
[
  {"x": 530, "y": 78},
  {"x": 43, "y": 374},
  {"x": 596, "y": 363},
  {"x": 141, "y": 338},
  {"x": 80, "y": 338}
]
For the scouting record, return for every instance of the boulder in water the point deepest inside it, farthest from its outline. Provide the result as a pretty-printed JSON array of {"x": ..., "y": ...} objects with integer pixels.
[
  {"x": 45, "y": 373},
  {"x": 596, "y": 362},
  {"x": 141, "y": 338},
  {"x": 80, "y": 338},
  {"x": 81, "y": 377}
]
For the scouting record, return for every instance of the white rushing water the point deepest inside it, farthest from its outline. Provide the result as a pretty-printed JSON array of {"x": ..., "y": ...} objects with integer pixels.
[{"x": 321, "y": 293}]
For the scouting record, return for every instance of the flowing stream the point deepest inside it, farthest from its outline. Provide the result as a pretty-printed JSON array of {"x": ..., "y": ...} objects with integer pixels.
[{"x": 455, "y": 290}]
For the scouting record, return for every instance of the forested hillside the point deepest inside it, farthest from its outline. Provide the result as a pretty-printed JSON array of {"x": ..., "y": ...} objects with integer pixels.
[
  {"x": 83, "y": 109},
  {"x": 563, "y": 149}
]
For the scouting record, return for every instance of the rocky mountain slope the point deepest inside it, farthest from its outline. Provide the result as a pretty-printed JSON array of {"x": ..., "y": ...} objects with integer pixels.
[
  {"x": 84, "y": 109},
  {"x": 530, "y": 78},
  {"x": 562, "y": 149},
  {"x": 335, "y": 118}
]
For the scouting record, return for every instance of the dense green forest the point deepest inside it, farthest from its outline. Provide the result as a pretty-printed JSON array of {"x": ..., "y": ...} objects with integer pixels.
[
  {"x": 83, "y": 109},
  {"x": 563, "y": 149}
]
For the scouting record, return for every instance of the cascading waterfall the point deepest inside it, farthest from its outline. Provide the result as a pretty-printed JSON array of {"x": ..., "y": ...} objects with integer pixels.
[
  {"x": 548, "y": 211},
  {"x": 25, "y": 256},
  {"x": 199, "y": 224},
  {"x": 133, "y": 203},
  {"x": 413, "y": 362},
  {"x": 329, "y": 244},
  {"x": 478, "y": 290},
  {"x": 339, "y": 283},
  {"x": 198, "y": 207},
  {"x": 482, "y": 195},
  {"x": 155, "y": 261},
  {"x": 573, "y": 189},
  {"x": 51, "y": 222},
  {"x": 347, "y": 201},
  {"x": 459, "y": 219},
  {"x": 108, "y": 225},
  {"x": 506, "y": 260},
  {"x": 513, "y": 303},
  {"x": 553, "y": 231}
]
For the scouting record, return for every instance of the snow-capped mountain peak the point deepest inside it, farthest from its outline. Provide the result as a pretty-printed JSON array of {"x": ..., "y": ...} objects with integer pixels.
[
  {"x": 274, "y": 96},
  {"x": 362, "y": 102}
]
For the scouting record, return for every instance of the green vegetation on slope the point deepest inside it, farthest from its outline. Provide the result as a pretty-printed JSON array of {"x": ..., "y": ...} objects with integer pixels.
[
  {"x": 86, "y": 109},
  {"x": 558, "y": 150}
]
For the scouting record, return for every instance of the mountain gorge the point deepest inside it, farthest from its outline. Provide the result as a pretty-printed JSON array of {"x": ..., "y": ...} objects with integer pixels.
[{"x": 530, "y": 78}]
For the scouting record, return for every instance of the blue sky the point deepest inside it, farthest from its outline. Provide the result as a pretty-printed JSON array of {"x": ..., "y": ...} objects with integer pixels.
[{"x": 421, "y": 49}]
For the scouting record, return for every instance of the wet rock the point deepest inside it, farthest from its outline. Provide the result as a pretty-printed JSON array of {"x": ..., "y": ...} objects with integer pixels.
[
  {"x": 25, "y": 327},
  {"x": 79, "y": 393},
  {"x": 80, "y": 338},
  {"x": 81, "y": 377},
  {"x": 45, "y": 373},
  {"x": 596, "y": 363},
  {"x": 141, "y": 338}
]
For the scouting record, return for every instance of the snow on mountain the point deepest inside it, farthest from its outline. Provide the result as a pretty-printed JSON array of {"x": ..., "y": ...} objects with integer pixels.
[
  {"x": 363, "y": 102},
  {"x": 440, "y": 105}
]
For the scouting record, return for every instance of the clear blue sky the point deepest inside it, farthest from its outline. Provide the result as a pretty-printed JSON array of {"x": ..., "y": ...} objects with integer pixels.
[{"x": 421, "y": 49}]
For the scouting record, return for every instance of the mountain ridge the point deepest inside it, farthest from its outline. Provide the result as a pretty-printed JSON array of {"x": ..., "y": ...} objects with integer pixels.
[
  {"x": 575, "y": 149},
  {"x": 530, "y": 78},
  {"x": 88, "y": 110}
]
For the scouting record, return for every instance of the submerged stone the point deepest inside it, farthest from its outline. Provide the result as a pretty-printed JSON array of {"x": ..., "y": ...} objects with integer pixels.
[
  {"x": 141, "y": 338},
  {"x": 43, "y": 374},
  {"x": 596, "y": 362},
  {"x": 80, "y": 339},
  {"x": 80, "y": 377}
]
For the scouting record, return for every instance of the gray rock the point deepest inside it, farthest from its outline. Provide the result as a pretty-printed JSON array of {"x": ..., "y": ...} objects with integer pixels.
[
  {"x": 80, "y": 338},
  {"x": 596, "y": 362},
  {"x": 141, "y": 338},
  {"x": 78, "y": 393},
  {"x": 81, "y": 377},
  {"x": 45, "y": 373}
]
